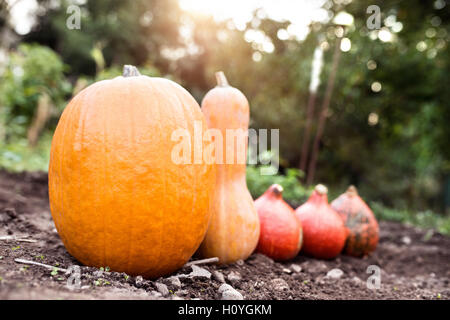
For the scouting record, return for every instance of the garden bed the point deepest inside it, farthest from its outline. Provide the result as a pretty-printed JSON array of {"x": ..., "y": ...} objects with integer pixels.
[{"x": 414, "y": 263}]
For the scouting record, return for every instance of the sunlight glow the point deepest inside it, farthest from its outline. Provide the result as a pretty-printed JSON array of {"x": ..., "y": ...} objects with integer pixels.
[
  {"x": 421, "y": 46},
  {"x": 259, "y": 40},
  {"x": 317, "y": 66},
  {"x": 385, "y": 35},
  {"x": 346, "y": 45},
  {"x": 257, "y": 56},
  {"x": 343, "y": 19},
  {"x": 376, "y": 86},
  {"x": 371, "y": 65},
  {"x": 373, "y": 119},
  {"x": 299, "y": 13},
  {"x": 22, "y": 15}
]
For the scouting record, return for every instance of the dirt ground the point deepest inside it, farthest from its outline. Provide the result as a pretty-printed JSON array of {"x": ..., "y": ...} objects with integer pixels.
[{"x": 415, "y": 264}]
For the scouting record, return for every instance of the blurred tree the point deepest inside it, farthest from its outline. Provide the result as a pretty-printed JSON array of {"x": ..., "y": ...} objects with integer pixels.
[
  {"x": 31, "y": 72},
  {"x": 387, "y": 126},
  {"x": 7, "y": 34},
  {"x": 4, "y": 13},
  {"x": 387, "y": 129},
  {"x": 129, "y": 32}
]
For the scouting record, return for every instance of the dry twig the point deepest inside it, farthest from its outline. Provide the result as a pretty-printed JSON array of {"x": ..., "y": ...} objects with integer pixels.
[
  {"x": 17, "y": 239},
  {"x": 39, "y": 264},
  {"x": 203, "y": 261}
]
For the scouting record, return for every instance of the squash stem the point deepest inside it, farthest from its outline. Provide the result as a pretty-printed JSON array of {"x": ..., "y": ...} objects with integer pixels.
[
  {"x": 277, "y": 189},
  {"x": 321, "y": 189},
  {"x": 352, "y": 190},
  {"x": 221, "y": 79},
  {"x": 130, "y": 71}
]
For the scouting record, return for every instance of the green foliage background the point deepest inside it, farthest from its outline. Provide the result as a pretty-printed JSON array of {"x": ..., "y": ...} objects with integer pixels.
[{"x": 402, "y": 161}]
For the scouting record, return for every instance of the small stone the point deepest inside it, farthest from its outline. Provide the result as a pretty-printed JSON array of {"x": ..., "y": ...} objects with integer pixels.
[
  {"x": 198, "y": 272},
  {"x": 240, "y": 262},
  {"x": 335, "y": 274},
  {"x": 279, "y": 284},
  {"x": 162, "y": 288},
  {"x": 139, "y": 281},
  {"x": 234, "y": 276},
  {"x": 218, "y": 276},
  {"x": 286, "y": 270},
  {"x": 232, "y": 295},
  {"x": 314, "y": 266},
  {"x": 155, "y": 294},
  {"x": 175, "y": 281},
  {"x": 296, "y": 268},
  {"x": 177, "y": 298},
  {"x": 406, "y": 240},
  {"x": 357, "y": 280},
  {"x": 225, "y": 287},
  {"x": 11, "y": 212},
  {"x": 181, "y": 292}
]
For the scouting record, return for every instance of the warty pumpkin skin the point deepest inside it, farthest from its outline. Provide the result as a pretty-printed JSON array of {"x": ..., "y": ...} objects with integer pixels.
[
  {"x": 281, "y": 233},
  {"x": 361, "y": 224},
  {"x": 324, "y": 233},
  {"x": 233, "y": 232},
  {"x": 116, "y": 196}
]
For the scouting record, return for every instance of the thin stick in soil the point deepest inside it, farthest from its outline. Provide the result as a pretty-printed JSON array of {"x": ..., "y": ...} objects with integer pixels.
[
  {"x": 7, "y": 238},
  {"x": 202, "y": 261},
  {"x": 191, "y": 263},
  {"x": 39, "y": 264}
]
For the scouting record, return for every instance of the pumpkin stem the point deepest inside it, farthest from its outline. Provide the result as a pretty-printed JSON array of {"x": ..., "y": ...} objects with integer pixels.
[
  {"x": 321, "y": 189},
  {"x": 130, "y": 71},
  {"x": 221, "y": 79},
  {"x": 352, "y": 190}
]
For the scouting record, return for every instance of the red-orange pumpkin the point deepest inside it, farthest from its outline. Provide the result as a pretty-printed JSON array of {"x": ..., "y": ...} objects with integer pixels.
[
  {"x": 281, "y": 233},
  {"x": 324, "y": 232},
  {"x": 362, "y": 226},
  {"x": 117, "y": 197}
]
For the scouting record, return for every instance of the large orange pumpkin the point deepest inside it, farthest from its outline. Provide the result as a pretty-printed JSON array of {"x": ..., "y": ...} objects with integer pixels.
[
  {"x": 360, "y": 222},
  {"x": 117, "y": 197},
  {"x": 234, "y": 229}
]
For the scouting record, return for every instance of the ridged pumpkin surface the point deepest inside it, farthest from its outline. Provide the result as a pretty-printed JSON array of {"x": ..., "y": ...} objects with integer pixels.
[
  {"x": 281, "y": 233},
  {"x": 116, "y": 196},
  {"x": 234, "y": 229},
  {"x": 361, "y": 224}
]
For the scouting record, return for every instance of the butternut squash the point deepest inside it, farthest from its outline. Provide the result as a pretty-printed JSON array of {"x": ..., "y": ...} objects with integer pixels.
[{"x": 234, "y": 228}]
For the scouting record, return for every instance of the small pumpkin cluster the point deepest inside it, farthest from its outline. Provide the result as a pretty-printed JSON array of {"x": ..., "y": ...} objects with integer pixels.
[
  {"x": 347, "y": 224},
  {"x": 119, "y": 199}
]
